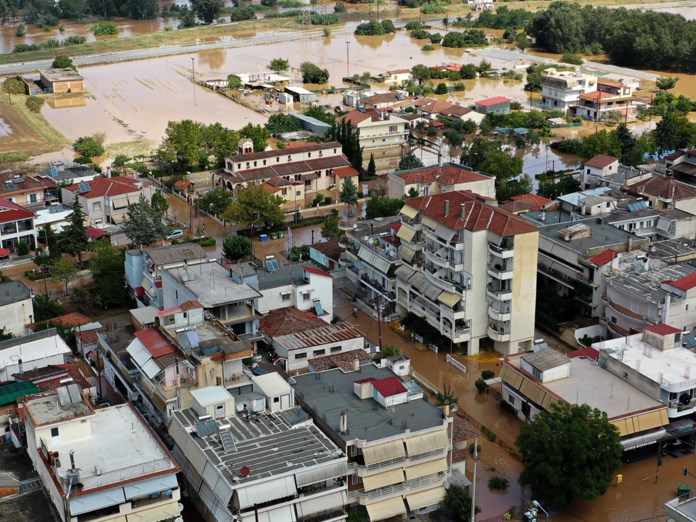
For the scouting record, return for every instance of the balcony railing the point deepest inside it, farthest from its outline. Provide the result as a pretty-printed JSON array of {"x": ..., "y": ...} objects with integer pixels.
[
  {"x": 400, "y": 462},
  {"x": 390, "y": 255},
  {"x": 408, "y": 486},
  {"x": 505, "y": 250},
  {"x": 499, "y": 294},
  {"x": 499, "y": 315},
  {"x": 497, "y": 335}
]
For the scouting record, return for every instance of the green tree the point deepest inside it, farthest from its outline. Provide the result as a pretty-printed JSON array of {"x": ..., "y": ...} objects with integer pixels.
[
  {"x": 216, "y": 201},
  {"x": 108, "y": 270},
  {"x": 141, "y": 9},
  {"x": 258, "y": 134},
  {"x": 207, "y": 10},
  {"x": 254, "y": 204},
  {"x": 412, "y": 193},
  {"x": 34, "y": 103},
  {"x": 74, "y": 239},
  {"x": 409, "y": 161},
  {"x": 569, "y": 452},
  {"x": 601, "y": 142},
  {"x": 280, "y": 123},
  {"x": 143, "y": 224},
  {"x": 441, "y": 88},
  {"x": 234, "y": 81},
  {"x": 5, "y": 334},
  {"x": 63, "y": 271},
  {"x": 278, "y": 65},
  {"x": 89, "y": 146},
  {"x": 219, "y": 142},
  {"x": 468, "y": 71},
  {"x": 63, "y": 62},
  {"x": 104, "y": 28},
  {"x": 344, "y": 133},
  {"x": 674, "y": 131},
  {"x": 420, "y": 73},
  {"x": 371, "y": 171},
  {"x": 46, "y": 308},
  {"x": 236, "y": 248},
  {"x": 349, "y": 193},
  {"x": 502, "y": 165},
  {"x": 187, "y": 18},
  {"x": 182, "y": 142},
  {"x": 666, "y": 83},
  {"x": 159, "y": 203},
  {"x": 565, "y": 185},
  {"x": 330, "y": 229},
  {"x": 377, "y": 207},
  {"x": 313, "y": 74},
  {"x": 457, "y": 502}
]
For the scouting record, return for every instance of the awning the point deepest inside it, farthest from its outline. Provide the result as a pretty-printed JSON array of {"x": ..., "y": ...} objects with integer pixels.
[
  {"x": 382, "y": 480},
  {"x": 310, "y": 176},
  {"x": 425, "y": 443},
  {"x": 409, "y": 211},
  {"x": 119, "y": 203},
  {"x": 373, "y": 259},
  {"x": 429, "y": 222},
  {"x": 406, "y": 233},
  {"x": 427, "y": 468},
  {"x": 133, "y": 197},
  {"x": 383, "y": 452},
  {"x": 147, "y": 487},
  {"x": 118, "y": 218},
  {"x": 312, "y": 476},
  {"x": 406, "y": 253},
  {"x": 449, "y": 299},
  {"x": 445, "y": 232},
  {"x": 386, "y": 509},
  {"x": 644, "y": 439},
  {"x": 429, "y": 497},
  {"x": 95, "y": 501},
  {"x": 156, "y": 514},
  {"x": 281, "y": 514},
  {"x": 324, "y": 503},
  {"x": 246, "y": 497}
]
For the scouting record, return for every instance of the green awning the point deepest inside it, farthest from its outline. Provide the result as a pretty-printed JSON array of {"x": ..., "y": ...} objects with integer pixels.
[{"x": 9, "y": 393}]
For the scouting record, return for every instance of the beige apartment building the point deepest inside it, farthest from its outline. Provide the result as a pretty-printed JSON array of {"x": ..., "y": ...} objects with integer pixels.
[
  {"x": 381, "y": 135},
  {"x": 469, "y": 268}
]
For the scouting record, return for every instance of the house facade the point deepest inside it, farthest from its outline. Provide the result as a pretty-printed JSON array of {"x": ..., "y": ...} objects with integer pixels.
[
  {"x": 460, "y": 252},
  {"x": 561, "y": 90},
  {"x": 30, "y": 352},
  {"x": 436, "y": 179},
  {"x": 382, "y": 136},
  {"x": 599, "y": 104},
  {"x": 16, "y": 226},
  {"x": 105, "y": 201},
  {"x": 25, "y": 190},
  {"x": 16, "y": 307}
]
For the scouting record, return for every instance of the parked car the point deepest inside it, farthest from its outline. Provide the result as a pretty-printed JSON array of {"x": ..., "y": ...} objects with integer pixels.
[{"x": 175, "y": 234}]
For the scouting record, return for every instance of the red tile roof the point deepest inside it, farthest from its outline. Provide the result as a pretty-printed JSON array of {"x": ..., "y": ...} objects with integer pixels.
[
  {"x": 446, "y": 174},
  {"x": 492, "y": 101},
  {"x": 287, "y": 321},
  {"x": 182, "y": 184},
  {"x": 538, "y": 200},
  {"x": 317, "y": 271},
  {"x": 88, "y": 336},
  {"x": 155, "y": 342},
  {"x": 389, "y": 386},
  {"x": 97, "y": 233},
  {"x": 28, "y": 183},
  {"x": 605, "y": 257},
  {"x": 311, "y": 147},
  {"x": 600, "y": 161},
  {"x": 675, "y": 155},
  {"x": 12, "y": 212},
  {"x": 330, "y": 248},
  {"x": 685, "y": 283},
  {"x": 168, "y": 311},
  {"x": 665, "y": 188},
  {"x": 74, "y": 319},
  {"x": 345, "y": 172},
  {"x": 662, "y": 329},
  {"x": 588, "y": 352},
  {"x": 468, "y": 212},
  {"x": 363, "y": 381},
  {"x": 601, "y": 95},
  {"x": 188, "y": 305},
  {"x": 100, "y": 187}
]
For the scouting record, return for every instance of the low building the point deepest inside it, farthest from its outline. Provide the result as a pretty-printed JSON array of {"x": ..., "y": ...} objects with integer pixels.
[
  {"x": 495, "y": 105},
  {"x": 436, "y": 179},
  {"x": 656, "y": 224},
  {"x": 316, "y": 127},
  {"x": 381, "y": 135},
  {"x": 399, "y": 447},
  {"x": 600, "y": 166},
  {"x": 232, "y": 303},
  {"x": 599, "y": 104},
  {"x": 25, "y": 190},
  {"x": 682, "y": 164},
  {"x": 396, "y": 76},
  {"x": 105, "y": 200},
  {"x": 28, "y": 352},
  {"x": 16, "y": 307},
  {"x": 529, "y": 203},
  {"x": 60, "y": 81},
  {"x": 661, "y": 192},
  {"x": 16, "y": 226},
  {"x": 681, "y": 509},
  {"x": 326, "y": 254},
  {"x": 532, "y": 382},
  {"x": 654, "y": 362},
  {"x": 105, "y": 464},
  {"x": 279, "y": 468},
  {"x": 561, "y": 90},
  {"x": 381, "y": 100},
  {"x": 144, "y": 269},
  {"x": 296, "y": 338},
  {"x": 301, "y": 95}
]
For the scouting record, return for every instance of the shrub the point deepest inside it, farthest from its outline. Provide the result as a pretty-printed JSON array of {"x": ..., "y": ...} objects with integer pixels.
[
  {"x": 22, "y": 248},
  {"x": 238, "y": 14},
  {"x": 441, "y": 89},
  {"x": 34, "y": 103},
  {"x": 480, "y": 385},
  {"x": 487, "y": 374},
  {"x": 459, "y": 86},
  {"x": 21, "y": 31},
  {"x": 63, "y": 62},
  {"x": 120, "y": 160},
  {"x": 74, "y": 40},
  {"x": 573, "y": 59},
  {"x": 427, "y": 47},
  {"x": 420, "y": 34},
  {"x": 24, "y": 48},
  {"x": 104, "y": 28},
  {"x": 433, "y": 9},
  {"x": 464, "y": 39},
  {"x": 435, "y": 38},
  {"x": 13, "y": 86},
  {"x": 88, "y": 146},
  {"x": 498, "y": 484}
]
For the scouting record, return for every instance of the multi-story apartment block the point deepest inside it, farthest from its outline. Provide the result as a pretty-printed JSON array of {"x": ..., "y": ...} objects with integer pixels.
[
  {"x": 16, "y": 226},
  {"x": 103, "y": 465},
  {"x": 258, "y": 457},
  {"x": 461, "y": 252},
  {"x": 561, "y": 90},
  {"x": 399, "y": 447},
  {"x": 105, "y": 200},
  {"x": 436, "y": 179},
  {"x": 654, "y": 362},
  {"x": 381, "y": 135},
  {"x": 298, "y": 173},
  {"x": 144, "y": 269}
]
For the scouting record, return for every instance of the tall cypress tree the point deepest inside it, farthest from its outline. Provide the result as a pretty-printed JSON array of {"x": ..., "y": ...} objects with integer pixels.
[{"x": 74, "y": 239}]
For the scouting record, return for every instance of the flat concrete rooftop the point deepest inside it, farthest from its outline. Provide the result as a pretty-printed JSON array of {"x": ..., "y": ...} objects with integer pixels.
[
  {"x": 330, "y": 392},
  {"x": 603, "y": 235},
  {"x": 646, "y": 285}
]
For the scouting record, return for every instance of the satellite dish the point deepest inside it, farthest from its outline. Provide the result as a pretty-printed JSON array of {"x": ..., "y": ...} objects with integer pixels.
[
  {"x": 240, "y": 406},
  {"x": 244, "y": 471}
]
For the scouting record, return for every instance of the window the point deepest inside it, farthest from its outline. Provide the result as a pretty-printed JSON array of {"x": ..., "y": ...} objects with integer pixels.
[
  {"x": 33, "y": 198},
  {"x": 298, "y": 192},
  {"x": 353, "y": 451},
  {"x": 277, "y": 159},
  {"x": 625, "y": 375},
  {"x": 309, "y": 154},
  {"x": 254, "y": 164},
  {"x": 355, "y": 479},
  {"x": 276, "y": 400},
  {"x": 96, "y": 206},
  {"x": 285, "y": 297},
  {"x": 306, "y": 296},
  {"x": 54, "y": 432},
  {"x": 284, "y": 192},
  {"x": 319, "y": 353},
  {"x": 302, "y": 355},
  {"x": 264, "y": 163},
  {"x": 289, "y": 158},
  {"x": 613, "y": 319},
  {"x": 511, "y": 399},
  {"x": 335, "y": 349}
]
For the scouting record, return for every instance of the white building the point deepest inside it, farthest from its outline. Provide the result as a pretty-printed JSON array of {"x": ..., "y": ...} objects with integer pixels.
[
  {"x": 437, "y": 179},
  {"x": 99, "y": 465},
  {"x": 459, "y": 252},
  {"x": 30, "y": 352},
  {"x": 382, "y": 135},
  {"x": 16, "y": 225},
  {"x": 561, "y": 90},
  {"x": 16, "y": 307},
  {"x": 281, "y": 468}
]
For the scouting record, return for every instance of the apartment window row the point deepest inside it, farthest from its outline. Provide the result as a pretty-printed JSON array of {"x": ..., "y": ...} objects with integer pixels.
[{"x": 251, "y": 164}]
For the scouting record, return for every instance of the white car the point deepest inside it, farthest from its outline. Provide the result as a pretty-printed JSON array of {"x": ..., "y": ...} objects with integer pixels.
[{"x": 175, "y": 234}]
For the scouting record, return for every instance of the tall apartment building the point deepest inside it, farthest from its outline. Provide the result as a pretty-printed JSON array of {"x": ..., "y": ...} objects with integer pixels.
[
  {"x": 469, "y": 268},
  {"x": 561, "y": 90},
  {"x": 381, "y": 135}
]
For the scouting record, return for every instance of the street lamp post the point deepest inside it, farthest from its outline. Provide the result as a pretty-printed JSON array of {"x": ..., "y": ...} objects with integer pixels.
[
  {"x": 193, "y": 79},
  {"x": 379, "y": 319},
  {"x": 252, "y": 234},
  {"x": 538, "y": 506},
  {"x": 473, "y": 483},
  {"x": 347, "y": 58}
]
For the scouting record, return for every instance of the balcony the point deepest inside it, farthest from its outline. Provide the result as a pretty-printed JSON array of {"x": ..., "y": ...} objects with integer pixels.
[
  {"x": 505, "y": 251},
  {"x": 498, "y": 335},
  {"x": 460, "y": 334},
  {"x": 500, "y": 272},
  {"x": 375, "y": 246},
  {"x": 374, "y": 285},
  {"x": 499, "y": 315},
  {"x": 499, "y": 294},
  {"x": 409, "y": 486},
  {"x": 435, "y": 278},
  {"x": 400, "y": 462}
]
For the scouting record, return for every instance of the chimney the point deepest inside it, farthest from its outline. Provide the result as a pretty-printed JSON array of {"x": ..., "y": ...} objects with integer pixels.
[
  {"x": 72, "y": 459},
  {"x": 20, "y": 367},
  {"x": 356, "y": 364},
  {"x": 343, "y": 422},
  {"x": 446, "y": 409},
  {"x": 462, "y": 210},
  {"x": 446, "y": 207}
]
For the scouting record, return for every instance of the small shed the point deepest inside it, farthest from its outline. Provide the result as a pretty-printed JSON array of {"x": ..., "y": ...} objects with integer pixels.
[
  {"x": 215, "y": 401},
  {"x": 284, "y": 98},
  {"x": 61, "y": 81},
  {"x": 495, "y": 105},
  {"x": 278, "y": 392},
  {"x": 316, "y": 127},
  {"x": 301, "y": 94}
]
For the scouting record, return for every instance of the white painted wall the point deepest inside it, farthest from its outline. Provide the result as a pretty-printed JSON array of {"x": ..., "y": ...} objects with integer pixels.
[{"x": 16, "y": 315}]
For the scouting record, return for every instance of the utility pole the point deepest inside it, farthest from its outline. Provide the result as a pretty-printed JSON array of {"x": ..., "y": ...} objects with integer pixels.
[
  {"x": 348, "y": 58},
  {"x": 473, "y": 483},
  {"x": 379, "y": 320},
  {"x": 193, "y": 79}
]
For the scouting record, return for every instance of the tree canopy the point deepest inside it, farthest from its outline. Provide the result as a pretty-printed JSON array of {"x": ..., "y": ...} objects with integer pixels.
[
  {"x": 410, "y": 161},
  {"x": 74, "y": 239},
  {"x": 143, "y": 224},
  {"x": 189, "y": 143},
  {"x": 236, "y": 247},
  {"x": 344, "y": 133},
  {"x": 207, "y": 10},
  {"x": 312, "y": 73},
  {"x": 254, "y": 204},
  {"x": 330, "y": 229},
  {"x": 107, "y": 267},
  {"x": 279, "y": 65},
  {"x": 349, "y": 193},
  {"x": 569, "y": 452}
]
